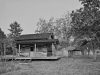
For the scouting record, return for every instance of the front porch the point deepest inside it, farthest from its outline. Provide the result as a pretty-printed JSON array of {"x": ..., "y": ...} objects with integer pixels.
[{"x": 36, "y": 50}]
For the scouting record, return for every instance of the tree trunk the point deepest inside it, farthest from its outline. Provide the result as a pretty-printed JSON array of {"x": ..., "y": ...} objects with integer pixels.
[
  {"x": 94, "y": 53},
  {"x": 82, "y": 52},
  {"x": 1, "y": 55},
  {"x": 88, "y": 52},
  {"x": 69, "y": 53}
]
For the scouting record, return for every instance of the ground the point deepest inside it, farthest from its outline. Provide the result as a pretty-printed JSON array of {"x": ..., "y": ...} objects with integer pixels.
[{"x": 64, "y": 66}]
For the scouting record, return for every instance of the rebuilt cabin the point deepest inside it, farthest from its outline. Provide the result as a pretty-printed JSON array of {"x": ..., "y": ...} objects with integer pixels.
[{"x": 37, "y": 45}]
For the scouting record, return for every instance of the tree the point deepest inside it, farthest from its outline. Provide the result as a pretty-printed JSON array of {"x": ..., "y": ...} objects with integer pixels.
[
  {"x": 62, "y": 27},
  {"x": 58, "y": 27},
  {"x": 2, "y": 34},
  {"x": 2, "y": 37},
  {"x": 86, "y": 21},
  {"x": 44, "y": 26},
  {"x": 15, "y": 29}
]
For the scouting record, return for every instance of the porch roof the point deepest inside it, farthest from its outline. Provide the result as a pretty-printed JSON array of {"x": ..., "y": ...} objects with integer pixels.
[{"x": 38, "y": 41}]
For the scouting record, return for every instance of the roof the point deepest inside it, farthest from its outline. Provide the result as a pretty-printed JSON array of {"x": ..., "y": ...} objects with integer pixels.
[
  {"x": 71, "y": 48},
  {"x": 38, "y": 41},
  {"x": 35, "y": 36}
]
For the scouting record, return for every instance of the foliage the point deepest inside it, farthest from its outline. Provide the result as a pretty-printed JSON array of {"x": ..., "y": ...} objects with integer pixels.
[
  {"x": 9, "y": 43},
  {"x": 86, "y": 20},
  {"x": 86, "y": 23},
  {"x": 45, "y": 26},
  {"x": 2, "y": 36},
  {"x": 15, "y": 29},
  {"x": 62, "y": 26},
  {"x": 59, "y": 27}
]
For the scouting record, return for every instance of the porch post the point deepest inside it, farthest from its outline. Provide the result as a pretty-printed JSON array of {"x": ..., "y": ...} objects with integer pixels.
[
  {"x": 55, "y": 49},
  {"x": 19, "y": 50},
  {"x": 4, "y": 51},
  {"x": 35, "y": 50},
  {"x": 29, "y": 53},
  {"x": 4, "y": 48},
  {"x": 52, "y": 49}
]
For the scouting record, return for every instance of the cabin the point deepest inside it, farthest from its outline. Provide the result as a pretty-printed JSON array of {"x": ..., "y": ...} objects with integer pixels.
[{"x": 37, "y": 46}]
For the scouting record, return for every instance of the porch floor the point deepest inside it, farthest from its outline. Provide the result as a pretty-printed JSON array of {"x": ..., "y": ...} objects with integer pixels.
[
  {"x": 51, "y": 57},
  {"x": 29, "y": 58}
]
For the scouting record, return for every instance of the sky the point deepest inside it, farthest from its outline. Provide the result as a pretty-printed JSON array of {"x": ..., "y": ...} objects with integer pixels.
[{"x": 28, "y": 12}]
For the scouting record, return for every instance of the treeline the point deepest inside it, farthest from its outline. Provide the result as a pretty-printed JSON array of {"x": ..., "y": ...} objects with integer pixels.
[
  {"x": 8, "y": 40},
  {"x": 60, "y": 27},
  {"x": 83, "y": 23}
]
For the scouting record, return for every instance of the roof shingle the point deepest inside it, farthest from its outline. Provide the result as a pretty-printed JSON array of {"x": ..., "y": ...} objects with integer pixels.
[{"x": 35, "y": 36}]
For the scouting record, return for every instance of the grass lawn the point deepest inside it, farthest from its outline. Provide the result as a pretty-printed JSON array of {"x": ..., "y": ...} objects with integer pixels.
[
  {"x": 63, "y": 66},
  {"x": 8, "y": 67}
]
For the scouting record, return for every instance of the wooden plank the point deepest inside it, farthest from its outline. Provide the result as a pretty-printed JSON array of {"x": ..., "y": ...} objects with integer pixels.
[
  {"x": 8, "y": 57},
  {"x": 46, "y": 58},
  {"x": 22, "y": 58},
  {"x": 29, "y": 58}
]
